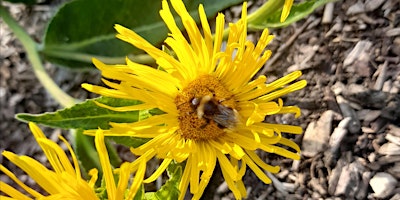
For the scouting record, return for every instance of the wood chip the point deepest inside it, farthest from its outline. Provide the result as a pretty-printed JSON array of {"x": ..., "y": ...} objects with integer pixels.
[
  {"x": 363, "y": 189},
  {"x": 349, "y": 180},
  {"x": 382, "y": 184},
  {"x": 354, "y": 125},
  {"x": 335, "y": 175},
  {"x": 394, "y": 130},
  {"x": 362, "y": 47},
  {"x": 393, "y": 139},
  {"x": 316, "y": 136},
  {"x": 389, "y": 149},
  {"x": 356, "y": 8},
  {"x": 393, "y": 32},
  {"x": 382, "y": 76},
  {"x": 328, "y": 13},
  {"x": 371, "y": 5},
  {"x": 338, "y": 135}
]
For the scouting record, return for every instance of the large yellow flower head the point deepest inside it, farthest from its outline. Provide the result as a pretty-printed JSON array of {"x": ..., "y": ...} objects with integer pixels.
[
  {"x": 213, "y": 105},
  {"x": 64, "y": 181}
]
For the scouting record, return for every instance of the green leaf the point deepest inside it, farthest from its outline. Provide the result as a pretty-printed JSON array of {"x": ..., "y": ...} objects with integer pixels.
[
  {"x": 128, "y": 141},
  {"x": 132, "y": 141},
  {"x": 83, "y": 29},
  {"x": 87, "y": 115},
  {"x": 298, "y": 11},
  {"x": 140, "y": 193},
  {"x": 115, "y": 160},
  {"x": 27, "y": 2},
  {"x": 169, "y": 191},
  {"x": 85, "y": 151}
]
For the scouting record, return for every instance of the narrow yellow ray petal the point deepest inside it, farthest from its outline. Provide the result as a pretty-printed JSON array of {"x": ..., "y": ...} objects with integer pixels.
[
  {"x": 224, "y": 162},
  {"x": 93, "y": 173},
  {"x": 20, "y": 183},
  {"x": 124, "y": 175},
  {"x": 43, "y": 177},
  {"x": 241, "y": 140},
  {"x": 9, "y": 190},
  {"x": 159, "y": 171},
  {"x": 183, "y": 184},
  {"x": 290, "y": 144},
  {"x": 290, "y": 109},
  {"x": 149, "y": 122},
  {"x": 259, "y": 81},
  {"x": 286, "y": 10},
  {"x": 208, "y": 157},
  {"x": 142, "y": 106},
  {"x": 105, "y": 164},
  {"x": 194, "y": 174},
  {"x": 282, "y": 127},
  {"x": 259, "y": 173},
  {"x": 2, "y": 197},
  {"x": 231, "y": 183},
  {"x": 262, "y": 164},
  {"x": 74, "y": 159},
  {"x": 137, "y": 181},
  {"x": 219, "y": 31},
  {"x": 57, "y": 157},
  {"x": 280, "y": 151}
]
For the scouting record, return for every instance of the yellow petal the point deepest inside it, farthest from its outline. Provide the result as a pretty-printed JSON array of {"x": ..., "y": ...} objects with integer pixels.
[
  {"x": 15, "y": 194},
  {"x": 159, "y": 171},
  {"x": 105, "y": 165},
  {"x": 286, "y": 10},
  {"x": 20, "y": 183}
]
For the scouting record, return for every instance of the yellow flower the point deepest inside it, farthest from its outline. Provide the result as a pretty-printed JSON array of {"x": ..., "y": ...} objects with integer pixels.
[
  {"x": 64, "y": 181},
  {"x": 286, "y": 9},
  {"x": 213, "y": 109}
]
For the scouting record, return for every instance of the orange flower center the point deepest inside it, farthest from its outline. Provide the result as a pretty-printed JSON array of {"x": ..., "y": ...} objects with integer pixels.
[{"x": 206, "y": 109}]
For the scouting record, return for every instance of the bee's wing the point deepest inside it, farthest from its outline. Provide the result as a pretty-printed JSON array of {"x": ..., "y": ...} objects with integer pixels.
[{"x": 226, "y": 117}]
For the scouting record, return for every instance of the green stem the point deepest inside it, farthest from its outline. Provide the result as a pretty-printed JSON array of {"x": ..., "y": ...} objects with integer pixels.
[
  {"x": 31, "y": 48},
  {"x": 267, "y": 8}
]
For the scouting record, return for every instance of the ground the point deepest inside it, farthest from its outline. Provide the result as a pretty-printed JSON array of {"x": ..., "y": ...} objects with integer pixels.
[{"x": 349, "y": 53}]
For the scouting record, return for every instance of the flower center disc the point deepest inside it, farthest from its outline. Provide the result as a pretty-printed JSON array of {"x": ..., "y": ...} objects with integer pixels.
[{"x": 206, "y": 108}]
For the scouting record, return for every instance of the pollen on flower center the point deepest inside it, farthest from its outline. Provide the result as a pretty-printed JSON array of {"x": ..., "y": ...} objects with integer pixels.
[{"x": 206, "y": 108}]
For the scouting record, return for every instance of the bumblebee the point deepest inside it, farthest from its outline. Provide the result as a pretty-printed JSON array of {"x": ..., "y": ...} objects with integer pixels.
[{"x": 209, "y": 108}]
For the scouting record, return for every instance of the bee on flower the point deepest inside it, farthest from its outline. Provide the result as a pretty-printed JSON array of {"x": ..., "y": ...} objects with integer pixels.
[{"x": 214, "y": 106}]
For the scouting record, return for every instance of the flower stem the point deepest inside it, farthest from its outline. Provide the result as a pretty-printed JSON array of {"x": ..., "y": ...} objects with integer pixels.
[
  {"x": 31, "y": 48},
  {"x": 268, "y": 8}
]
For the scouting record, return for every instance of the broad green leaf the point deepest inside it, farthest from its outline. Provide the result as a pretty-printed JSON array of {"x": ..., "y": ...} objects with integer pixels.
[
  {"x": 87, "y": 115},
  {"x": 27, "y": 2},
  {"x": 83, "y": 29},
  {"x": 298, "y": 11}
]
